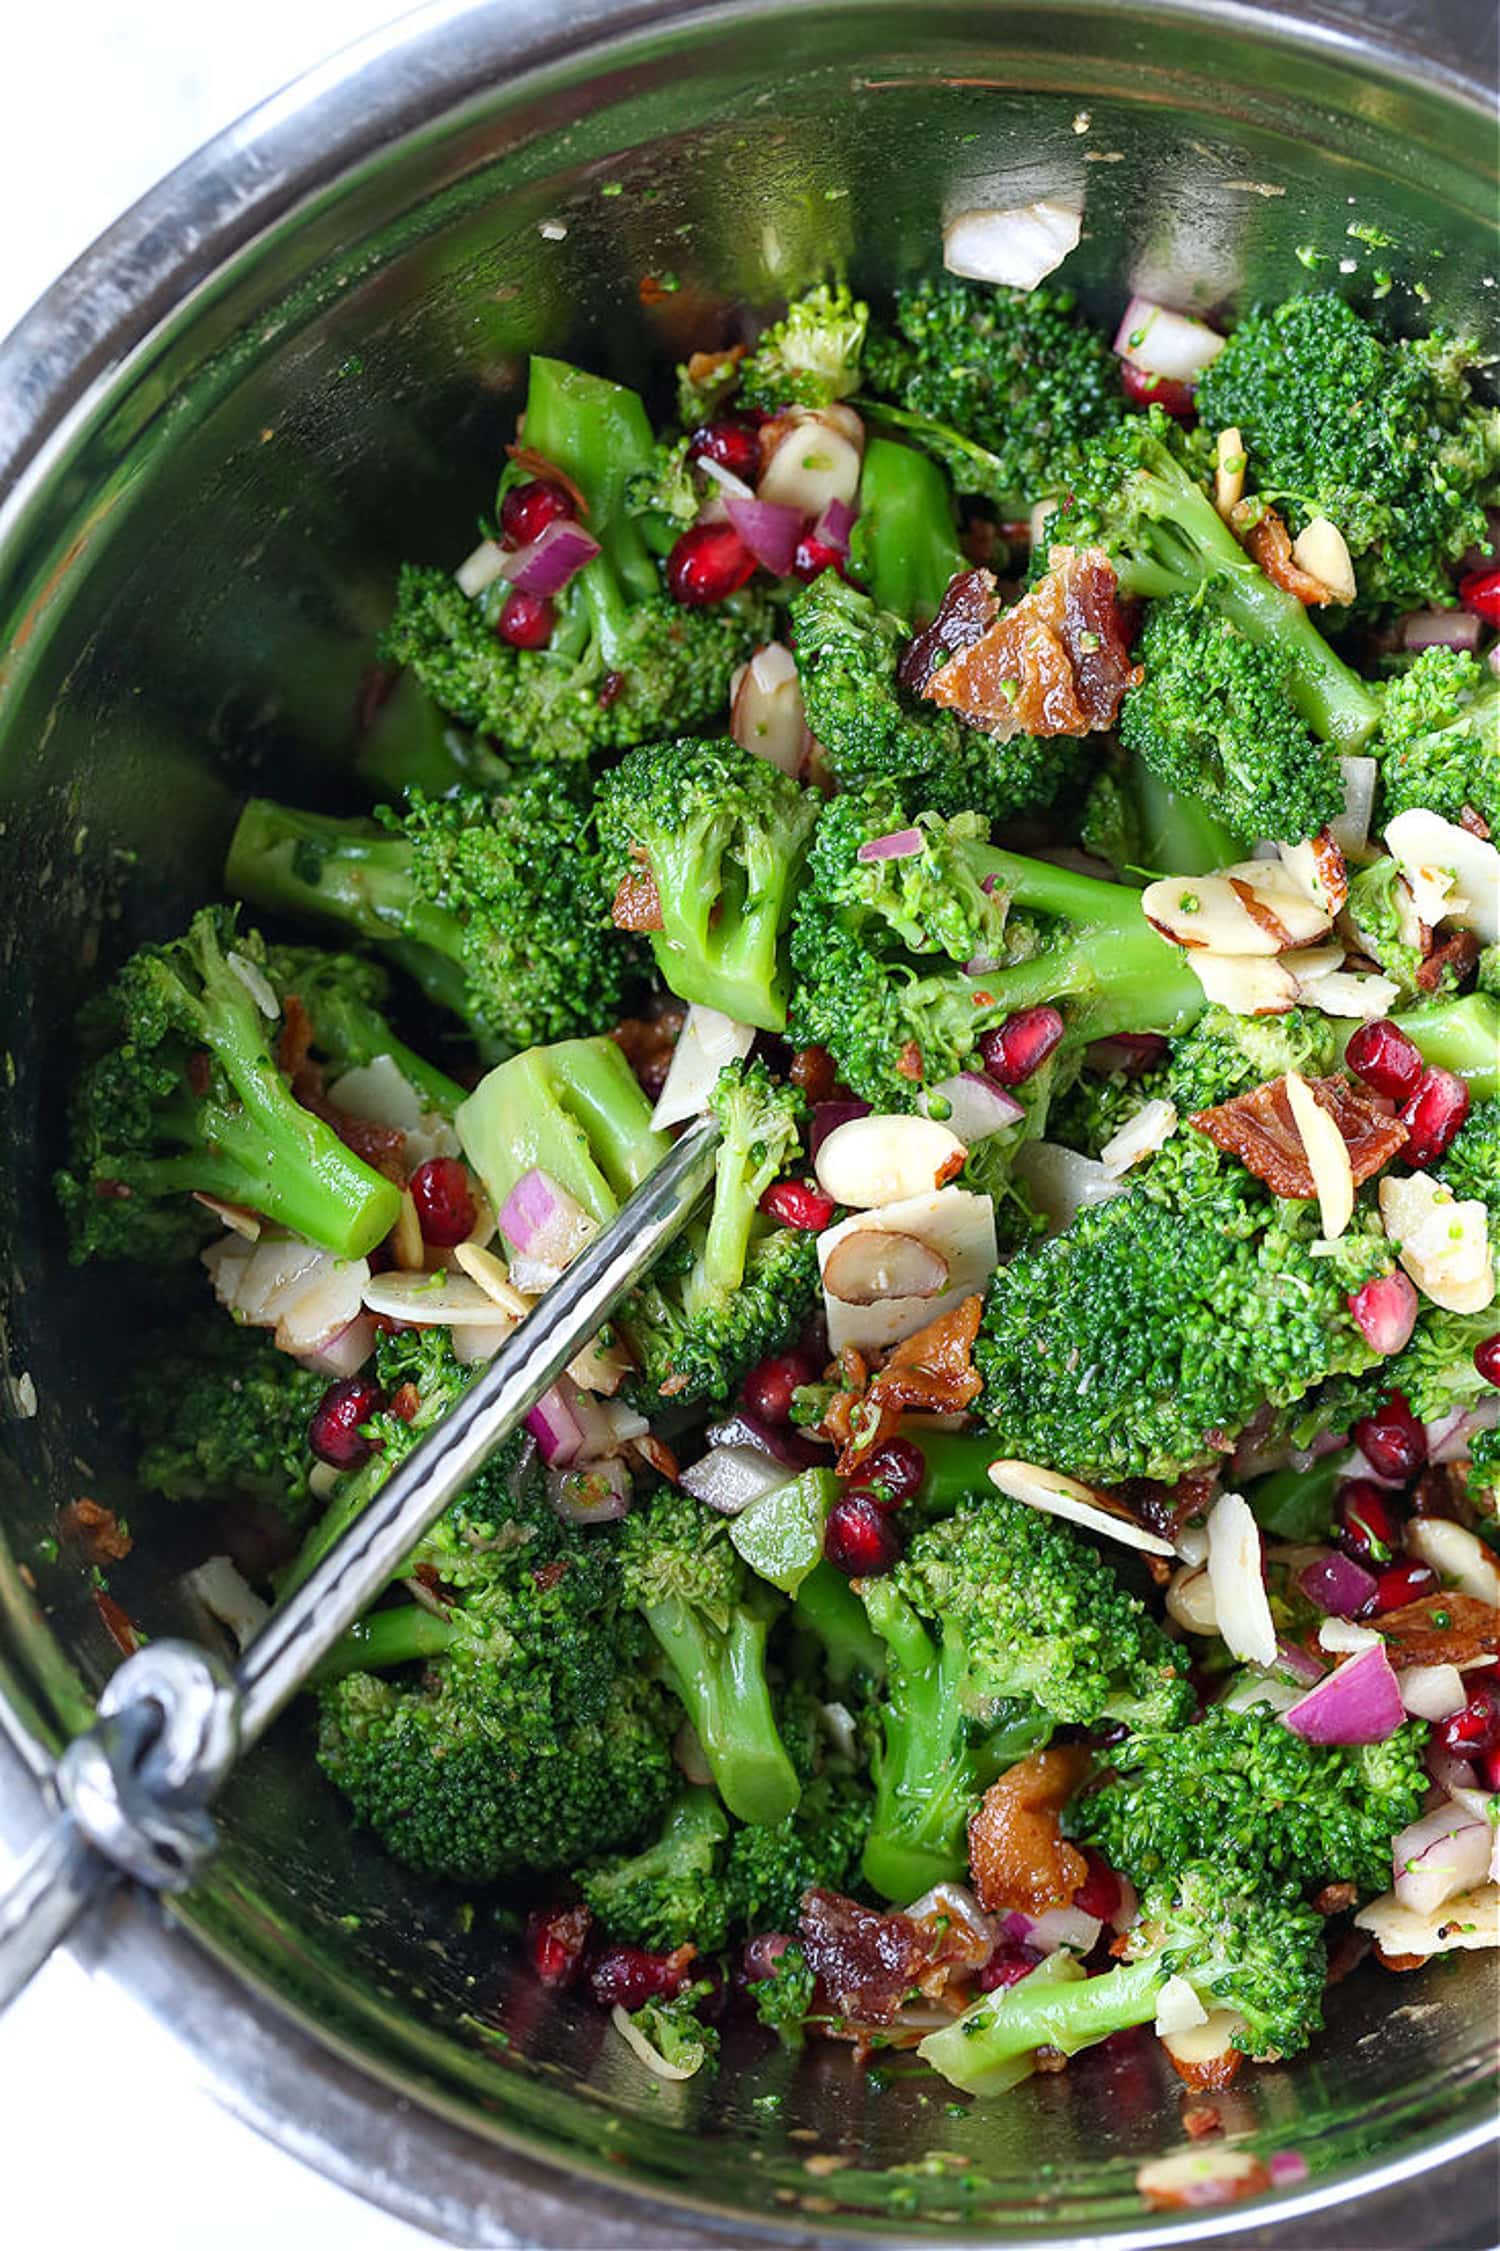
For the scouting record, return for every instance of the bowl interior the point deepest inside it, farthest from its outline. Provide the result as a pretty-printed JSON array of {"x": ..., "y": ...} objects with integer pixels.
[{"x": 191, "y": 576}]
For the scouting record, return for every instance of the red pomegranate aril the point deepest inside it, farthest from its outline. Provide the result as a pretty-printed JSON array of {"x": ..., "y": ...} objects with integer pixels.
[
  {"x": 1381, "y": 1054},
  {"x": 762, "y": 1953},
  {"x": 528, "y": 509},
  {"x": 767, "y": 1390},
  {"x": 1487, "y": 1359},
  {"x": 526, "y": 620},
  {"x": 1397, "y": 1585},
  {"x": 334, "y": 1431},
  {"x": 1479, "y": 593},
  {"x": 1019, "y": 1046},
  {"x": 1489, "y": 1770},
  {"x": 1166, "y": 391},
  {"x": 444, "y": 1200},
  {"x": 1392, "y": 1440},
  {"x": 708, "y": 564},
  {"x": 796, "y": 1204},
  {"x": 1007, "y": 1966},
  {"x": 1100, "y": 1893},
  {"x": 1369, "y": 1524},
  {"x": 555, "y": 1940},
  {"x": 1475, "y": 1731},
  {"x": 814, "y": 556},
  {"x": 859, "y": 1538},
  {"x": 893, "y": 1473},
  {"x": 1385, "y": 1312},
  {"x": 735, "y": 446},
  {"x": 630, "y": 1976},
  {"x": 1432, "y": 1116}
]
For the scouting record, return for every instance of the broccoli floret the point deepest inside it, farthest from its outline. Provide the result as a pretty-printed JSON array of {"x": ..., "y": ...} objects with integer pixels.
[
  {"x": 784, "y": 1996},
  {"x": 229, "y": 1422},
  {"x": 1434, "y": 1371},
  {"x": 1241, "y": 1787},
  {"x": 493, "y": 903},
  {"x": 1439, "y": 742},
  {"x": 184, "y": 1097},
  {"x": 1214, "y": 719},
  {"x": 1133, "y": 496},
  {"x": 1225, "y": 1055},
  {"x": 672, "y": 1891},
  {"x": 880, "y": 948},
  {"x": 710, "y": 1617},
  {"x": 769, "y": 1868},
  {"x": 624, "y": 663},
  {"x": 871, "y": 729},
  {"x": 1258, "y": 1953},
  {"x": 720, "y": 835},
  {"x": 810, "y": 357},
  {"x": 903, "y": 548},
  {"x": 1484, "y": 1471},
  {"x": 1386, "y": 439},
  {"x": 1145, "y": 830},
  {"x": 345, "y": 998},
  {"x": 1385, "y": 924},
  {"x": 1141, "y": 1340},
  {"x": 1004, "y": 386}
]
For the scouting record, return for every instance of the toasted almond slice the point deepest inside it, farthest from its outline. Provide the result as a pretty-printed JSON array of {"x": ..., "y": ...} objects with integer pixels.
[
  {"x": 1246, "y": 984},
  {"x": 1455, "y": 1552},
  {"x": 1190, "y": 1600},
  {"x": 877, "y": 1263},
  {"x": 309, "y": 1319},
  {"x": 1206, "y": 2042},
  {"x": 1453, "y": 873},
  {"x": 1141, "y": 1136},
  {"x": 1321, "y": 550},
  {"x": 1351, "y": 992},
  {"x": 1472, "y": 1920},
  {"x": 492, "y": 1276},
  {"x": 407, "y": 1247},
  {"x": 237, "y": 1217},
  {"x": 886, "y": 1158},
  {"x": 1281, "y": 903},
  {"x": 1317, "y": 867},
  {"x": 765, "y": 708},
  {"x": 1229, "y": 470},
  {"x": 954, "y": 1223},
  {"x": 1327, "y": 1156},
  {"x": 1056, "y": 1495},
  {"x": 1205, "y": 914},
  {"x": 1310, "y": 965},
  {"x": 442, "y": 1300},
  {"x": 1238, "y": 1582},
  {"x": 1210, "y": 2174},
  {"x": 708, "y": 1040}
]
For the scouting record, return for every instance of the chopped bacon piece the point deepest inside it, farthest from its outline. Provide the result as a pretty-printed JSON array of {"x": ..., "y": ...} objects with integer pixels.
[
  {"x": 1058, "y": 663},
  {"x": 930, "y": 1373},
  {"x": 1458, "y": 954},
  {"x": 116, "y": 1623},
  {"x": 866, "y": 1961},
  {"x": 1269, "y": 544},
  {"x": 909, "y": 1061},
  {"x": 533, "y": 464},
  {"x": 647, "y": 1043},
  {"x": 1199, "y": 2119},
  {"x": 1473, "y": 820},
  {"x": 1018, "y": 1856},
  {"x": 1260, "y": 1130},
  {"x": 637, "y": 903},
  {"x": 1441, "y": 1629},
  {"x": 200, "y": 1072},
  {"x": 968, "y": 609},
  {"x": 97, "y": 1530},
  {"x": 1336, "y": 1899}
]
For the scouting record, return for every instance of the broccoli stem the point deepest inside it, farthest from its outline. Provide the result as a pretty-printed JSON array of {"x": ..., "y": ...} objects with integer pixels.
[
  {"x": 719, "y": 1674},
  {"x": 827, "y": 1606},
  {"x": 903, "y": 545},
  {"x": 975, "y": 469},
  {"x": 925, "y": 1782},
  {"x": 385, "y": 1639},
  {"x": 575, "y": 1111},
  {"x": 412, "y": 744},
  {"x": 599, "y": 435},
  {"x": 990, "y": 2047},
  {"x": 1462, "y": 1036},
  {"x": 958, "y": 1465},
  {"x": 1178, "y": 834},
  {"x": 357, "y": 1033},
  {"x": 353, "y": 1497}
]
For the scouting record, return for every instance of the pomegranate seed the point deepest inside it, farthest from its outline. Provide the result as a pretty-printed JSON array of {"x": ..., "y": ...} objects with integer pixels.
[
  {"x": 333, "y": 1433},
  {"x": 1432, "y": 1116},
  {"x": 796, "y": 1204},
  {"x": 528, "y": 509},
  {"x": 1399, "y": 1584},
  {"x": 1489, "y": 1770},
  {"x": 610, "y": 689},
  {"x": 526, "y": 620},
  {"x": 733, "y": 445},
  {"x": 709, "y": 563},
  {"x": 1019, "y": 1046},
  {"x": 1479, "y": 593},
  {"x": 444, "y": 1200},
  {"x": 1369, "y": 1525},
  {"x": 1007, "y": 1966},
  {"x": 814, "y": 556},
  {"x": 767, "y": 1390},
  {"x": 1487, "y": 1359},
  {"x": 1383, "y": 1056},
  {"x": 555, "y": 1939},
  {"x": 1173, "y": 397},
  {"x": 1385, "y": 1312},
  {"x": 630, "y": 1976},
  {"x": 859, "y": 1538},
  {"x": 1100, "y": 1893},
  {"x": 1392, "y": 1440},
  {"x": 893, "y": 1473},
  {"x": 1475, "y": 1730}
]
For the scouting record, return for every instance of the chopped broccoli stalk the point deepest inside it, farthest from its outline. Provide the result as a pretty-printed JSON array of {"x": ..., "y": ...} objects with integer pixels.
[
  {"x": 407, "y": 1634},
  {"x": 879, "y": 949},
  {"x": 1214, "y": 720},
  {"x": 1392, "y": 940},
  {"x": 827, "y": 1608},
  {"x": 903, "y": 548},
  {"x": 721, "y": 834},
  {"x": 760, "y": 1120},
  {"x": 1385, "y": 439},
  {"x": 810, "y": 357},
  {"x": 672, "y": 1891},
  {"x": 574, "y": 1111},
  {"x": 410, "y": 744},
  {"x": 710, "y": 1616},
  {"x": 184, "y": 1097},
  {"x": 1260, "y": 1954},
  {"x": 1145, "y": 830},
  {"x": 345, "y": 998},
  {"x": 229, "y": 1422},
  {"x": 1133, "y": 496},
  {"x": 1439, "y": 741}
]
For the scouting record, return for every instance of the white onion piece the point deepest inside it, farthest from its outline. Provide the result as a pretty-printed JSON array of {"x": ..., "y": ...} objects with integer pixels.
[
  {"x": 708, "y": 1040},
  {"x": 544, "y": 1223},
  {"x": 886, "y": 1158},
  {"x": 955, "y": 1225},
  {"x": 765, "y": 708},
  {"x": 1456, "y": 1555},
  {"x": 1016, "y": 248},
  {"x": 591, "y": 1493},
  {"x": 1055, "y": 1495},
  {"x": 1178, "y": 2008},
  {"x": 1273, "y": 1695},
  {"x": 1164, "y": 343},
  {"x": 976, "y": 1106},
  {"x": 729, "y": 1478},
  {"x": 481, "y": 568},
  {"x": 1451, "y": 1439},
  {"x": 1433, "y": 1692},
  {"x": 1445, "y": 1852},
  {"x": 227, "y": 1595},
  {"x": 1064, "y": 1928},
  {"x": 345, "y": 1353},
  {"x": 472, "y": 1347},
  {"x": 1061, "y": 1181},
  {"x": 817, "y": 461},
  {"x": 1352, "y": 826},
  {"x": 1344, "y": 1637},
  {"x": 1239, "y": 1588}
]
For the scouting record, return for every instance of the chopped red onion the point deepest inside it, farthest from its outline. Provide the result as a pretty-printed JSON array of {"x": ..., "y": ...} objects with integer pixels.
[
  {"x": 742, "y": 1429},
  {"x": 1359, "y": 1702},
  {"x": 545, "y": 565},
  {"x": 1287, "y": 2167},
  {"x": 1457, "y": 1777},
  {"x": 976, "y": 1105},
  {"x": 554, "y": 1425},
  {"x": 729, "y": 1478},
  {"x": 1161, "y": 342},
  {"x": 835, "y": 524},
  {"x": 899, "y": 844},
  {"x": 827, "y": 1117},
  {"x": 769, "y": 528},
  {"x": 1338, "y": 1585},
  {"x": 543, "y": 1222},
  {"x": 1493, "y": 659},
  {"x": 1451, "y": 1436},
  {"x": 1060, "y": 1927},
  {"x": 596, "y": 1493},
  {"x": 1298, "y": 1663},
  {"x": 1440, "y": 629},
  {"x": 346, "y": 1353}
]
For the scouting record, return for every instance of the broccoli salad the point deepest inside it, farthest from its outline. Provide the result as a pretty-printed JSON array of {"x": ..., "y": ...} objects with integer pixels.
[{"x": 1026, "y": 1564}]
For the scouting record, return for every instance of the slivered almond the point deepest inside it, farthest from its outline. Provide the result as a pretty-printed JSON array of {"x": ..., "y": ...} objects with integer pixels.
[
  {"x": 1246, "y": 984},
  {"x": 1229, "y": 470},
  {"x": 1203, "y": 2044},
  {"x": 493, "y": 1277},
  {"x": 1454, "y": 875},
  {"x": 1153, "y": 1124},
  {"x": 1238, "y": 1582},
  {"x": 407, "y": 1247},
  {"x": 1321, "y": 550},
  {"x": 1056, "y": 1495},
  {"x": 1350, "y": 992},
  {"x": 1327, "y": 1157},
  {"x": 436, "y": 1301},
  {"x": 1317, "y": 867},
  {"x": 1455, "y": 1551}
]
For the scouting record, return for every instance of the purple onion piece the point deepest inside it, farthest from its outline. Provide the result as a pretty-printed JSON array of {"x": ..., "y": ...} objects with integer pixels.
[
  {"x": 828, "y": 1116},
  {"x": 1337, "y": 1584},
  {"x": 897, "y": 844},
  {"x": 769, "y": 528},
  {"x": 741, "y": 1429},
  {"x": 835, "y": 524},
  {"x": 559, "y": 551}
]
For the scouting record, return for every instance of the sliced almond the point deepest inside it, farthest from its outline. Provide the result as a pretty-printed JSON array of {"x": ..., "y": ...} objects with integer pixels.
[
  {"x": 1353, "y": 993},
  {"x": 816, "y": 462},
  {"x": 1317, "y": 867},
  {"x": 407, "y": 1246},
  {"x": 1141, "y": 1136},
  {"x": 443, "y": 1300},
  {"x": 1190, "y": 1600},
  {"x": 237, "y": 1217},
  {"x": 708, "y": 1040},
  {"x": 1327, "y": 1155},
  {"x": 876, "y": 1264},
  {"x": 1178, "y": 2008},
  {"x": 1322, "y": 551},
  {"x": 1254, "y": 907},
  {"x": 1454, "y": 875},
  {"x": 325, "y": 1306},
  {"x": 493, "y": 1278},
  {"x": 1457, "y": 1555},
  {"x": 1229, "y": 470},
  {"x": 1234, "y": 1570},
  {"x": 1469, "y": 1922},
  {"x": 765, "y": 708},
  {"x": 1056, "y": 1495},
  {"x": 1246, "y": 984},
  {"x": 885, "y": 1158},
  {"x": 955, "y": 1224},
  {"x": 1204, "y": 2043}
]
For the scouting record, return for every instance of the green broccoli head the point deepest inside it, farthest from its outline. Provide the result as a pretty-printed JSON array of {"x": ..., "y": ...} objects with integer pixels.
[
  {"x": 811, "y": 356},
  {"x": 1385, "y": 923},
  {"x": 1439, "y": 741},
  {"x": 1384, "y": 438},
  {"x": 672, "y": 1891},
  {"x": 228, "y": 1422}
]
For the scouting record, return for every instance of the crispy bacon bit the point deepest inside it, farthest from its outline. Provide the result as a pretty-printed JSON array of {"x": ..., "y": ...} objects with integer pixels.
[
  {"x": 1441, "y": 1629},
  {"x": 909, "y": 1061},
  {"x": 866, "y": 1961},
  {"x": 1199, "y": 2119},
  {"x": 115, "y": 1622},
  {"x": 1345, "y": 1955},
  {"x": 815, "y": 1072},
  {"x": 1473, "y": 820},
  {"x": 1206, "y": 2075},
  {"x": 1458, "y": 954},
  {"x": 647, "y": 1043},
  {"x": 1400, "y": 1961},
  {"x": 930, "y": 1373},
  {"x": 97, "y": 1530},
  {"x": 1058, "y": 663},
  {"x": 405, "y": 1400},
  {"x": 1260, "y": 1130},
  {"x": 533, "y": 464},
  {"x": 1018, "y": 1857},
  {"x": 637, "y": 903},
  {"x": 1336, "y": 1899},
  {"x": 200, "y": 1072},
  {"x": 968, "y": 609},
  {"x": 113, "y": 1191},
  {"x": 1441, "y": 1490},
  {"x": 1269, "y": 543},
  {"x": 548, "y": 1575},
  {"x": 376, "y": 684}
]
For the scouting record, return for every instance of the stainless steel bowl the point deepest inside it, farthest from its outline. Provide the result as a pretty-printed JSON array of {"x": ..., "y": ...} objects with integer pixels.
[{"x": 293, "y": 365}]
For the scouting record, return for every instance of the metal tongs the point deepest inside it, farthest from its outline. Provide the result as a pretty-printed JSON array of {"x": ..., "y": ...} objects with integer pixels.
[{"x": 133, "y": 1793}]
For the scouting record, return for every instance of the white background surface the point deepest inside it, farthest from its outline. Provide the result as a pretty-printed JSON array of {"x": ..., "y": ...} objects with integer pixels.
[{"x": 96, "y": 103}]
